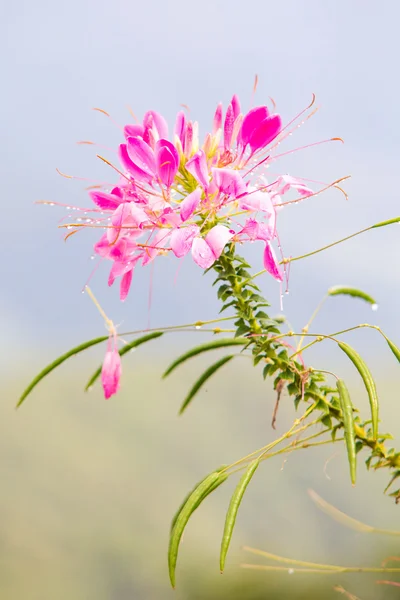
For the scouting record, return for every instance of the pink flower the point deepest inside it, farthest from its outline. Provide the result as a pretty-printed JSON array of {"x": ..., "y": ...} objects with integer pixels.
[
  {"x": 183, "y": 197},
  {"x": 111, "y": 370}
]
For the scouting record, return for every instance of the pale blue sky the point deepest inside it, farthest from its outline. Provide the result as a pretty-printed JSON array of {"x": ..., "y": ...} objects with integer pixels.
[{"x": 61, "y": 59}]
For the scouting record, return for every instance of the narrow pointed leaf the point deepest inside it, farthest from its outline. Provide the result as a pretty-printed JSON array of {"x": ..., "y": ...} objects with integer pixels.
[
  {"x": 194, "y": 500},
  {"x": 214, "y": 345},
  {"x": 388, "y": 222},
  {"x": 394, "y": 348},
  {"x": 348, "y": 422},
  {"x": 341, "y": 290},
  {"x": 216, "y": 484},
  {"x": 202, "y": 379},
  {"x": 368, "y": 382},
  {"x": 233, "y": 510},
  {"x": 58, "y": 362},
  {"x": 124, "y": 350}
]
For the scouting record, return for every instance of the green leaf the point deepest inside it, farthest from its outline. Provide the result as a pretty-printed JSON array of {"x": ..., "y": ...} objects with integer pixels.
[
  {"x": 341, "y": 290},
  {"x": 193, "y": 502},
  {"x": 58, "y": 362},
  {"x": 368, "y": 382},
  {"x": 124, "y": 350},
  {"x": 216, "y": 484},
  {"x": 233, "y": 510},
  {"x": 394, "y": 348},
  {"x": 203, "y": 378},
  {"x": 214, "y": 345},
  {"x": 384, "y": 223},
  {"x": 348, "y": 423}
]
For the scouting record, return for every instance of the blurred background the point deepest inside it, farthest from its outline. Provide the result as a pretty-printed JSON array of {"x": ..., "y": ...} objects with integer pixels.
[{"x": 88, "y": 487}]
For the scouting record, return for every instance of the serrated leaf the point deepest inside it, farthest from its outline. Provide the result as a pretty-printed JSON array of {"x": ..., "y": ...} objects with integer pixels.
[
  {"x": 124, "y": 350},
  {"x": 341, "y": 290},
  {"x": 202, "y": 379},
  {"x": 53, "y": 365},
  {"x": 348, "y": 423},
  {"x": 368, "y": 382},
  {"x": 233, "y": 510},
  {"x": 213, "y": 345}
]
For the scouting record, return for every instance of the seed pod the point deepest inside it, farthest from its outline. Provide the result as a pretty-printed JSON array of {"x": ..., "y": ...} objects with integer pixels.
[
  {"x": 368, "y": 382},
  {"x": 233, "y": 510},
  {"x": 349, "y": 433}
]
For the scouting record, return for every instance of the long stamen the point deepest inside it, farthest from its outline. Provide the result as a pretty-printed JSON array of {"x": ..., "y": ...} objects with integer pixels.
[
  {"x": 333, "y": 184},
  {"x": 334, "y": 139}
]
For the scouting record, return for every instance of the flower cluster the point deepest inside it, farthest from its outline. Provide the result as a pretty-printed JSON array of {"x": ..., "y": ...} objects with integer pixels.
[{"x": 176, "y": 196}]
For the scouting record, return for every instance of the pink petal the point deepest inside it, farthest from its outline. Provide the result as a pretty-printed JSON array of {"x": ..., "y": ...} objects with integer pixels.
[
  {"x": 197, "y": 166},
  {"x": 167, "y": 158},
  {"x": 105, "y": 201},
  {"x": 217, "y": 238},
  {"x": 257, "y": 231},
  {"x": 260, "y": 201},
  {"x": 118, "y": 269},
  {"x": 182, "y": 239},
  {"x": 126, "y": 284},
  {"x": 133, "y": 131},
  {"x": 236, "y": 106},
  {"x": 190, "y": 203},
  {"x": 102, "y": 247},
  {"x": 180, "y": 126},
  {"x": 229, "y": 182},
  {"x": 217, "y": 123},
  {"x": 228, "y": 127},
  {"x": 270, "y": 263},
  {"x": 141, "y": 155},
  {"x": 129, "y": 166},
  {"x": 265, "y": 132},
  {"x": 111, "y": 371},
  {"x": 188, "y": 141},
  {"x": 251, "y": 121},
  {"x": 154, "y": 120},
  {"x": 202, "y": 253}
]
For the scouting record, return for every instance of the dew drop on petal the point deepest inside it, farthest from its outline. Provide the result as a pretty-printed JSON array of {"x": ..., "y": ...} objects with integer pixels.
[
  {"x": 374, "y": 307},
  {"x": 198, "y": 327}
]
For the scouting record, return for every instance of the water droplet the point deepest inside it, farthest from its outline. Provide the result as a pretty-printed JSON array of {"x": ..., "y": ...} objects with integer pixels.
[
  {"x": 51, "y": 203},
  {"x": 92, "y": 257},
  {"x": 79, "y": 219},
  {"x": 132, "y": 350},
  {"x": 374, "y": 307},
  {"x": 287, "y": 292},
  {"x": 90, "y": 388},
  {"x": 290, "y": 571}
]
